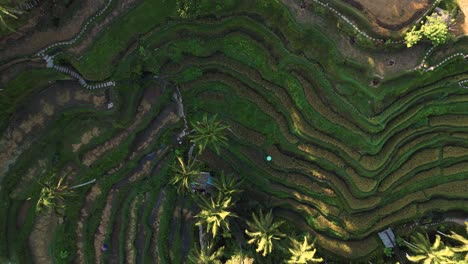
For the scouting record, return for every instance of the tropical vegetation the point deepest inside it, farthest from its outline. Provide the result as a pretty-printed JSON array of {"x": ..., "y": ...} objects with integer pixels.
[
  {"x": 215, "y": 213},
  {"x": 209, "y": 132},
  {"x": 184, "y": 174},
  {"x": 264, "y": 232},
  {"x": 303, "y": 251}
]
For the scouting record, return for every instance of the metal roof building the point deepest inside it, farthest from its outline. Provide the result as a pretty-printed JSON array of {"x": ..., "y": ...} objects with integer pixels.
[{"x": 388, "y": 238}]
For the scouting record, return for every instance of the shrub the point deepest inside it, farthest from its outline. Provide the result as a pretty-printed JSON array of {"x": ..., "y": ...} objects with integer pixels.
[{"x": 434, "y": 29}]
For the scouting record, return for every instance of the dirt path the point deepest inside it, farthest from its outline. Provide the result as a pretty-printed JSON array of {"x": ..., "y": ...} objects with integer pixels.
[
  {"x": 122, "y": 7},
  {"x": 28, "y": 42}
]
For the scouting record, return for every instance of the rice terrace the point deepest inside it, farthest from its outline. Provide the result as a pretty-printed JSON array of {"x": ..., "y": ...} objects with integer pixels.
[{"x": 234, "y": 131}]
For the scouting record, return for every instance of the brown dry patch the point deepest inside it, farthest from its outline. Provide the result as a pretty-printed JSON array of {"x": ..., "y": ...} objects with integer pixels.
[
  {"x": 91, "y": 156},
  {"x": 28, "y": 122},
  {"x": 144, "y": 171},
  {"x": 101, "y": 233},
  {"x": 90, "y": 198},
  {"x": 393, "y": 12},
  {"x": 97, "y": 100},
  {"x": 86, "y": 138},
  {"x": 33, "y": 121},
  {"x": 155, "y": 236},
  {"x": 33, "y": 172},
  {"x": 462, "y": 20},
  {"x": 12, "y": 142},
  {"x": 169, "y": 119},
  {"x": 41, "y": 235},
  {"x": 131, "y": 233},
  {"x": 63, "y": 97}
]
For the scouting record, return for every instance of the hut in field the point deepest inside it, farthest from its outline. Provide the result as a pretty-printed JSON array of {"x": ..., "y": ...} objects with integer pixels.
[
  {"x": 203, "y": 183},
  {"x": 388, "y": 238}
]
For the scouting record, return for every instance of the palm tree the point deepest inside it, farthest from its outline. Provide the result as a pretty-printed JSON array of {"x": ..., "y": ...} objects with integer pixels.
[
  {"x": 184, "y": 174},
  {"x": 421, "y": 246},
  {"x": 215, "y": 213},
  {"x": 303, "y": 252},
  {"x": 206, "y": 255},
  {"x": 7, "y": 11},
  {"x": 240, "y": 259},
  {"x": 463, "y": 248},
  {"x": 263, "y": 231},
  {"x": 227, "y": 185},
  {"x": 53, "y": 194},
  {"x": 209, "y": 132}
]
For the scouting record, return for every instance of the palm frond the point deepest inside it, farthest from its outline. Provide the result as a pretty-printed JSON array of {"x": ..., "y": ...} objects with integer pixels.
[
  {"x": 263, "y": 231},
  {"x": 227, "y": 184},
  {"x": 215, "y": 213},
  {"x": 184, "y": 174},
  {"x": 209, "y": 132}
]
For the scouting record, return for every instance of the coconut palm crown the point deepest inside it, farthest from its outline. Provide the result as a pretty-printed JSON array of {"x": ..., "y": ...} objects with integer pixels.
[
  {"x": 209, "y": 132},
  {"x": 184, "y": 174},
  {"x": 436, "y": 253},
  {"x": 303, "y": 252},
  {"x": 52, "y": 194},
  {"x": 206, "y": 255},
  {"x": 7, "y": 12},
  {"x": 227, "y": 185},
  {"x": 461, "y": 247},
  {"x": 263, "y": 232},
  {"x": 215, "y": 213}
]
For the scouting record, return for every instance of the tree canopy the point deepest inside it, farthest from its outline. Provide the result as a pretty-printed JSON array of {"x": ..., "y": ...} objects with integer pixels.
[{"x": 434, "y": 29}]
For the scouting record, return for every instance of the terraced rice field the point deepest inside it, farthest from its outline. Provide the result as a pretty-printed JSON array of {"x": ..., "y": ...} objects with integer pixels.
[{"x": 352, "y": 152}]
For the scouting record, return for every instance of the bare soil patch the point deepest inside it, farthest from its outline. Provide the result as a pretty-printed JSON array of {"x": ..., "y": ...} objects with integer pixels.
[
  {"x": 101, "y": 233},
  {"x": 392, "y": 14},
  {"x": 131, "y": 233},
  {"x": 34, "y": 171},
  {"x": 148, "y": 100},
  {"x": 40, "y": 238},
  {"x": 86, "y": 138},
  {"x": 462, "y": 19},
  {"x": 27, "y": 123},
  {"x": 90, "y": 198}
]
